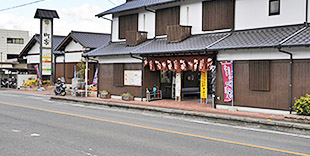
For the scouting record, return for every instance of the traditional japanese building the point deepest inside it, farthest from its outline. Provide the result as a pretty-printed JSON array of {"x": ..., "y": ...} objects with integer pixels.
[{"x": 264, "y": 42}]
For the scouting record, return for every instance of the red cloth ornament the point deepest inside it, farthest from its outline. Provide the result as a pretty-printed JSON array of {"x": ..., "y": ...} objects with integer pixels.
[
  {"x": 183, "y": 65},
  {"x": 170, "y": 65},
  {"x": 151, "y": 64}
]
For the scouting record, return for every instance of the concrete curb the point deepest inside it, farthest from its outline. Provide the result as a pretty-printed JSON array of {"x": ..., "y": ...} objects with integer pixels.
[{"x": 219, "y": 118}]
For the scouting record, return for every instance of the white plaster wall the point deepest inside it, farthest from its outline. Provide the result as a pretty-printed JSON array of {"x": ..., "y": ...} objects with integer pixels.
[
  {"x": 35, "y": 49},
  {"x": 118, "y": 59},
  {"x": 59, "y": 59},
  {"x": 263, "y": 54},
  {"x": 74, "y": 46},
  {"x": 255, "y": 13},
  {"x": 115, "y": 30},
  {"x": 73, "y": 57},
  {"x": 193, "y": 17},
  {"x": 33, "y": 59},
  {"x": 146, "y": 22}
]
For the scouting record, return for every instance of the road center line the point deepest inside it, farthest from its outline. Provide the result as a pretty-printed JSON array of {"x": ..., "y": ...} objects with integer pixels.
[{"x": 157, "y": 129}]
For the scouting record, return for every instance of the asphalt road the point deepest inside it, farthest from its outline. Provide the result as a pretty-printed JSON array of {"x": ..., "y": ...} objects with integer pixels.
[{"x": 33, "y": 125}]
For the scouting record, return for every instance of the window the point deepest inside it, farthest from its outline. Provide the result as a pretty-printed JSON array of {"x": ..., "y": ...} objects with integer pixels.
[
  {"x": 15, "y": 40},
  {"x": 259, "y": 75},
  {"x": 217, "y": 14},
  {"x": 274, "y": 7},
  {"x": 166, "y": 17},
  {"x": 127, "y": 23}
]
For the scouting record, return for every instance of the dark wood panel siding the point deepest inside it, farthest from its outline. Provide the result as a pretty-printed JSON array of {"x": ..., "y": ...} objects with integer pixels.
[
  {"x": 217, "y": 14},
  {"x": 276, "y": 98},
  {"x": 259, "y": 75},
  {"x": 127, "y": 23},
  {"x": 106, "y": 80},
  {"x": 69, "y": 68},
  {"x": 301, "y": 76},
  {"x": 166, "y": 17},
  {"x": 118, "y": 74}
]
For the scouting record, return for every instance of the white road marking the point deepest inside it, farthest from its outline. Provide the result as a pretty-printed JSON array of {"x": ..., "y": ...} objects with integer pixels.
[
  {"x": 35, "y": 135},
  {"x": 193, "y": 121},
  {"x": 16, "y": 131}
]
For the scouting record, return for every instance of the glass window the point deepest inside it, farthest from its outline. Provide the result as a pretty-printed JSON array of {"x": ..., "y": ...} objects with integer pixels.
[
  {"x": 15, "y": 40},
  {"x": 274, "y": 7}
]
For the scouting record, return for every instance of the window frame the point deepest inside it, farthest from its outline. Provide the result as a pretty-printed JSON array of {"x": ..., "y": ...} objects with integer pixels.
[{"x": 279, "y": 6}]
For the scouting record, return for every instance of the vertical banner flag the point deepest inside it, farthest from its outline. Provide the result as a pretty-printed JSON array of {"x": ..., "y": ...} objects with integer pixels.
[
  {"x": 95, "y": 81},
  {"x": 38, "y": 73},
  {"x": 227, "y": 72},
  {"x": 204, "y": 85}
]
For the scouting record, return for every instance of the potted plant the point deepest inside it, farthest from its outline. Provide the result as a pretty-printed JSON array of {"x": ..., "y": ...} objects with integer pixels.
[
  {"x": 127, "y": 97},
  {"x": 104, "y": 94}
]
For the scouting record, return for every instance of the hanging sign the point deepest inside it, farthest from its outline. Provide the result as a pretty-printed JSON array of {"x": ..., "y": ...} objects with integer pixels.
[
  {"x": 46, "y": 33},
  {"x": 204, "y": 85},
  {"x": 227, "y": 72},
  {"x": 178, "y": 86},
  {"x": 46, "y": 62}
]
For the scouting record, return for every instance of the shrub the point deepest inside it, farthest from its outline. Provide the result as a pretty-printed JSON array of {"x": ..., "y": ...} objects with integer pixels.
[
  {"x": 302, "y": 105},
  {"x": 126, "y": 94},
  {"x": 104, "y": 92}
]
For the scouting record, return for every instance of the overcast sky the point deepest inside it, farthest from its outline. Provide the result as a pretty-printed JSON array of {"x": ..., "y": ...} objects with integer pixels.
[{"x": 78, "y": 15}]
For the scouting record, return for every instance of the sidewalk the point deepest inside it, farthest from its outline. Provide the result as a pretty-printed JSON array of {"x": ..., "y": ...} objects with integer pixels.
[{"x": 193, "y": 109}]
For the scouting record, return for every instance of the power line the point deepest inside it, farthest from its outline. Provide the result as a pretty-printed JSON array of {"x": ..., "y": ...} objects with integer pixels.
[
  {"x": 111, "y": 2},
  {"x": 22, "y": 5}
]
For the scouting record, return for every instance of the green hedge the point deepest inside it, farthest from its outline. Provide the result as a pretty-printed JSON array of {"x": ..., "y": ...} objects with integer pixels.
[{"x": 302, "y": 105}]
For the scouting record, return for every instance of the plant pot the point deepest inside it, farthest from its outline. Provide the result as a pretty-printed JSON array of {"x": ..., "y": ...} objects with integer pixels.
[
  {"x": 105, "y": 95},
  {"x": 127, "y": 98}
]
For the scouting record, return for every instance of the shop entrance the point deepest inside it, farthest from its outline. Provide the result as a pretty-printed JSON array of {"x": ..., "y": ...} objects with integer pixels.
[
  {"x": 190, "y": 84},
  {"x": 166, "y": 85}
]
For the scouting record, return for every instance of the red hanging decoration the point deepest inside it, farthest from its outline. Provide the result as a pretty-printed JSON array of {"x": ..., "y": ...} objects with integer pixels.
[
  {"x": 158, "y": 65},
  {"x": 151, "y": 64},
  {"x": 170, "y": 65},
  {"x": 202, "y": 65},
  {"x": 183, "y": 65}
]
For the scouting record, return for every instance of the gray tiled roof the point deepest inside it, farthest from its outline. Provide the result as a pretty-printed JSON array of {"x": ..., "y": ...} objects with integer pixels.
[
  {"x": 192, "y": 44},
  {"x": 92, "y": 40},
  {"x": 44, "y": 13},
  {"x": 36, "y": 39},
  {"x": 115, "y": 48},
  {"x": 133, "y": 5},
  {"x": 301, "y": 39},
  {"x": 256, "y": 38},
  {"x": 86, "y": 39}
]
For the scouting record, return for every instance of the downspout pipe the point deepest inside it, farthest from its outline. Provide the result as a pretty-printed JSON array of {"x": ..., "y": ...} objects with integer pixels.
[
  {"x": 291, "y": 76},
  {"x": 307, "y": 7},
  {"x": 142, "y": 69}
]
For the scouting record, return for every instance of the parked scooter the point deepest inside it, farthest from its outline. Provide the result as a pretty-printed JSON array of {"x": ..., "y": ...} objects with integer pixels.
[
  {"x": 60, "y": 88},
  {"x": 4, "y": 83}
]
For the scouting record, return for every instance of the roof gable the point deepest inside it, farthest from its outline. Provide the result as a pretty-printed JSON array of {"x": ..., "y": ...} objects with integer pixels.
[{"x": 86, "y": 39}]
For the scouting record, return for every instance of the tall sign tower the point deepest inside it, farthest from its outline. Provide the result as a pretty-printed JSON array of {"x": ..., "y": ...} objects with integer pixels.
[{"x": 46, "y": 41}]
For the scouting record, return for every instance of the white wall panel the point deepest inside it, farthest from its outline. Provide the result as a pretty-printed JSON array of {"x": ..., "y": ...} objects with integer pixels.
[
  {"x": 74, "y": 46},
  {"x": 146, "y": 22},
  {"x": 255, "y": 13},
  {"x": 191, "y": 15},
  {"x": 73, "y": 57}
]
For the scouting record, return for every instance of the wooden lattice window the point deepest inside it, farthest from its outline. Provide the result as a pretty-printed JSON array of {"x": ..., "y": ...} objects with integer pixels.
[{"x": 259, "y": 75}]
